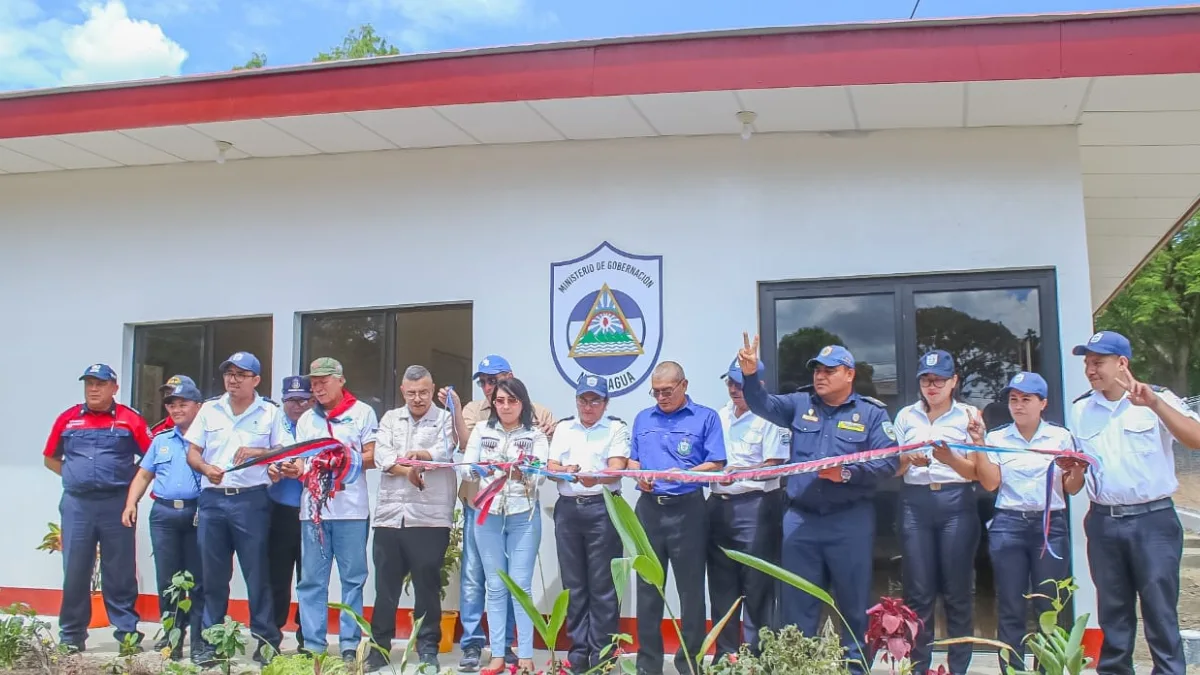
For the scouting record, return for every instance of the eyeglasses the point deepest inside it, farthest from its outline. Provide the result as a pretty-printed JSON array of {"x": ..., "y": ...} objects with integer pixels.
[
  {"x": 666, "y": 392},
  {"x": 417, "y": 395},
  {"x": 237, "y": 376},
  {"x": 488, "y": 380},
  {"x": 504, "y": 401},
  {"x": 935, "y": 382},
  {"x": 590, "y": 402}
]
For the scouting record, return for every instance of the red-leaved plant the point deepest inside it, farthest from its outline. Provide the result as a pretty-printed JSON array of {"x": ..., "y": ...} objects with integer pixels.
[{"x": 891, "y": 631}]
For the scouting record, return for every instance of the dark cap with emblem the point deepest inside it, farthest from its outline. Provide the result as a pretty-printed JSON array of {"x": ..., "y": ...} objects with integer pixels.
[
  {"x": 591, "y": 384},
  {"x": 99, "y": 371},
  {"x": 175, "y": 381},
  {"x": 296, "y": 387},
  {"x": 937, "y": 362}
]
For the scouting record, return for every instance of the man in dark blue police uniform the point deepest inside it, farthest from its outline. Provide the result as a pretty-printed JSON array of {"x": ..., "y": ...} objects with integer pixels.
[
  {"x": 283, "y": 540},
  {"x": 829, "y": 523},
  {"x": 95, "y": 448},
  {"x": 676, "y": 434}
]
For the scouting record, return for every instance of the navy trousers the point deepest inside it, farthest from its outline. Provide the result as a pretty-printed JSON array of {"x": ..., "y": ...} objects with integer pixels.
[
  {"x": 1015, "y": 545},
  {"x": 749, "y": 523},
  {"x": 834, "y": 551},
  {"x": 587, "y": 542},
  {"x": 939, "y": 535},
  {"x": 1132, "y": 558},
  {"x": 237, "y": 523},
  {"x": 89, "y": 520},
  {"x": 283, "y": 560},
  {"x": 177, "y": 549}
]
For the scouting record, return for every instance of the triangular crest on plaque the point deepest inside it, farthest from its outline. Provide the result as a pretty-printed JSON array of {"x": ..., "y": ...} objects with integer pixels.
[{"x": 606, "y": 331}]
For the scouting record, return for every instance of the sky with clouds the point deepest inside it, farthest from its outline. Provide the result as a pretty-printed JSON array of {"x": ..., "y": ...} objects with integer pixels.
[{"x": 47, "y": 43}]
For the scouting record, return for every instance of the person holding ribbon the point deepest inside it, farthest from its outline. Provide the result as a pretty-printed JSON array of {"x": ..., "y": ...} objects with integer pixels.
[
  {"x": 1028, "y": 537},
  {"x": 939, "y": 517},
  {"x": 829, "y": 523},
  {"x": 509, "y": 527},
  {"x": 334, "y": 509},
  {"x": 586, "y": 539},
  {"x": 1134, "y": 537},
  {"x": 283, "y": 553}
]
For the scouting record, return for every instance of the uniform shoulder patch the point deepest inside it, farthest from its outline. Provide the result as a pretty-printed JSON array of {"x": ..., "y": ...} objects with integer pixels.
[
  {"x": 873, "y": 401},
  {"x": 270, "y": 401},
  {"x": 566, "y": 419},
  {"x": 616, "y": 419},
  {"x": 1000, "y": 427},
  {"x": 1083, "y": 396},
  {"x": 160, "y": 432}
]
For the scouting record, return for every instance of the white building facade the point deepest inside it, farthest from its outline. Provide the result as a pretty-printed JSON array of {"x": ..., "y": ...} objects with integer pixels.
[{"x": 884, "y": 214}]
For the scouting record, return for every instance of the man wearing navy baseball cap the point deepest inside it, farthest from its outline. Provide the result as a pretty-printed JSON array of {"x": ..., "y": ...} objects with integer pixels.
[
  {"x": 1134, "y": 538},
  {"x": 744, "y": 516},
  {"x": 283, "y": 556},
  {"x": 93, "y": 447},
  {"x": 586, "y": 539},
  {"x": 165, "y": 391},
  {"x": 829, "y": 524}
]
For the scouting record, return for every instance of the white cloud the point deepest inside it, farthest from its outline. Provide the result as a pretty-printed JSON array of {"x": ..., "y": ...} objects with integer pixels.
[{"x": 107, "y": 45}]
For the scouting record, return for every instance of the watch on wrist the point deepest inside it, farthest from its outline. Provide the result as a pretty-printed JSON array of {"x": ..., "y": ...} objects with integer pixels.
[{"x": 845, "y": 475}]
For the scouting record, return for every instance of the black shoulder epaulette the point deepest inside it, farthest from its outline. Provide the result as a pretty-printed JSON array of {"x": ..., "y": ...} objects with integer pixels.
[
  {"x": 616, "y": 419},
  {"x": 270, "y": 401},
  {"x": 1055, "y": 424},
  {"x": 1083, "y": 396},
  {"x": 160, "y": 432},
  {"x": 806, "y": 389},
  {"x": 873, "y": 401},
  {"x": 566, "y": 419},
  {"x": 1002, "y": 426}
]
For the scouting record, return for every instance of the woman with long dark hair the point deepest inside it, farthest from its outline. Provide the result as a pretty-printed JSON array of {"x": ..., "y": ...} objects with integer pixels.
[
  {"x": 509, "y": 537},
  {"x": 939, "y": 519}
]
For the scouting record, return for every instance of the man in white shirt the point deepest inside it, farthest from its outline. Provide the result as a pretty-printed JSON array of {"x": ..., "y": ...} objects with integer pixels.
[
  {"x": 1134, "y": 538},
  {"x": 234, "y": 512},
  {"x": 337, "y": 529},
  {"x": 744, "y": 515},
  {"x": 413, "y": 515},
  {"x": 586, "y": 538}
]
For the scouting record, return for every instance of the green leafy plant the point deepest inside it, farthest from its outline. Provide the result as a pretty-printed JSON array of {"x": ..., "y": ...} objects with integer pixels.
[
  {"x": 304, "y": 664},
  {"x": 180, "y": 668},
  {"x": 366, "y": 646},
  {"x": 1056, "y": 650},
  {"x": 26, "y": 641},
  {"x": 227, "y": 642},
  {"x": 179, "y": 595},
  {"x": 647, "y": 566},
  {"x": 788, "y": 652}
]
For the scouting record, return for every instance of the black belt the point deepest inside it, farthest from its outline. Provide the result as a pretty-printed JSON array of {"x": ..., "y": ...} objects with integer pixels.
[
  {"x": 1031, "y": 515},
  {"x": 1125, "y": 511},
  {"x": 584, "y": 500},
  {"x": 672, "y": 500},
  {"x": 230, "y": 492},
  {"x": 938, "y": 487},
  {"x": 739, "y": 496},
  {"x": 177, "y": 504}
]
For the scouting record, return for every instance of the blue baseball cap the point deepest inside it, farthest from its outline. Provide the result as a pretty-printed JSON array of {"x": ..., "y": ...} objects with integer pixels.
[
  {"x": 592, "y": 384},
  {"x": 296, "y": 387},
  {"x": 243, "y": 360},
  {"x": 175, "y": 381},
  {"x": 1105, "y": 342},
  {"x": 735, "y": 372},
  {"x": 1027, "y": 383},
  {"x": 99, "y": 371},
  {"x": 832, "y": 356},
  {"x": 492, "y": 364},
  {"x": 937, "y": 362},
  {"x": 185, "y": 391}
]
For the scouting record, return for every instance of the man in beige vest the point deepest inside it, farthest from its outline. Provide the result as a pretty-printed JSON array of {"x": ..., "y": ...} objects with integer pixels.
[{"x": 491, "y": 369}]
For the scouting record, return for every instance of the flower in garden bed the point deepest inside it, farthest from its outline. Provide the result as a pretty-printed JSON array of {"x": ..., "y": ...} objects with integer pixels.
[{"x": 891, "y": 631}]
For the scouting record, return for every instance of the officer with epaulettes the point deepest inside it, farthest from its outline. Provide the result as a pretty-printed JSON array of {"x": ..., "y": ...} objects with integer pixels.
[
  {"x": 586, "y": 537},
  {"x": 829, "y": 522},
  {"x": 1134, "y": 537}
]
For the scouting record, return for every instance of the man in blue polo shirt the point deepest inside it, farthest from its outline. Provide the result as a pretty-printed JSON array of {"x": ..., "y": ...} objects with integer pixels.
[
  {"x": 173, "y": 515},
  {"x": 829, "y": 523},
  {"x": 283, "y": 555},
  {"x": 677, "y": 434},
  {"x": 95, "y": 448}
]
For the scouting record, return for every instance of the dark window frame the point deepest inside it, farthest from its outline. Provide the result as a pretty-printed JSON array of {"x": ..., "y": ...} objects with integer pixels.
[{"x": 391, "y": 376}]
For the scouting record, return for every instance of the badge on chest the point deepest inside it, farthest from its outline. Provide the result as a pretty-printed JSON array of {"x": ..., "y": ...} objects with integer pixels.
[
  {"x": 684, "y": 448},
  {"x": 810, "y": 416},
  {"x": 851, "y": 426}
]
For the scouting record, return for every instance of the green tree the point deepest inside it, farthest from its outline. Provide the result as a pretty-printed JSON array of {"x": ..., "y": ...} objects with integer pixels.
[
  {"x": 1159, "y": 311},
  {"x": 360, "y": 43},
  {"x": 258, "y": 60},
  {"x": 985, "y": 352},
  {"x": 795, "y": 350}
]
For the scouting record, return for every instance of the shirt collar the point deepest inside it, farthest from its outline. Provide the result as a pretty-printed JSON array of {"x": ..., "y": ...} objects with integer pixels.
[
  {"x": 600, "y": 423},
  {"x": 853, "y": 399},
  {"x": 224, "y": 403},
  {"x": 955, "y": 407},
  {"x": 1100, "y": 400},
  {"x": 405, "y": 413},
  {"x": 85, "y": 410},
  {"x": 1014, "y": 433},
  {"x": 731, "y": 413},
  {"x": 688, "y": 406}
]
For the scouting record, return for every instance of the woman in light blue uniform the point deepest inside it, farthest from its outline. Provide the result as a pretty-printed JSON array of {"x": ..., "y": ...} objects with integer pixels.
[
  {"x": 939, "y": 517},
  {"x": 1017, "y": 541}
]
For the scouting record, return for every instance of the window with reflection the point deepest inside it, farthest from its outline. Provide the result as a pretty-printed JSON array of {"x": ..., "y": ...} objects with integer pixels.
[
  {"x": 375, "y": 346},
  {"x": 195, "y": 349}
]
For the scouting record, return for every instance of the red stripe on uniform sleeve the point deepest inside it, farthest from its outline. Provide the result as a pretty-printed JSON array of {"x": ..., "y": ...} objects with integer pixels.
[
  {"x": 60, "y": 424},
  {"x": 137, "y": 425}
]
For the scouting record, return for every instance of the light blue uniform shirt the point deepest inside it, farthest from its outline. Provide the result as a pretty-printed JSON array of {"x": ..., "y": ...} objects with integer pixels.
[
  {"x": 167, "y": 460},
  {"x": 288, "y": 490}
]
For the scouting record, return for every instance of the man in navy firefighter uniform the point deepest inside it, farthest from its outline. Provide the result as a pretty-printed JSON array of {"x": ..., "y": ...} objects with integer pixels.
[
  {"x": 829, "y": 522},
  {"x": 95, "y": 447},
  {"x": 1134, "y": 537}
]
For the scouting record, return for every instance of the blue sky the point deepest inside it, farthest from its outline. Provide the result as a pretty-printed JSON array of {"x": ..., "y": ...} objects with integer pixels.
[{"x": 46, "y": 43}]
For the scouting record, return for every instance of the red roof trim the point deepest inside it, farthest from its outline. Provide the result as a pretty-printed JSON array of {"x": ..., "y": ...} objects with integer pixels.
[{"x": 1034, "y": 49}]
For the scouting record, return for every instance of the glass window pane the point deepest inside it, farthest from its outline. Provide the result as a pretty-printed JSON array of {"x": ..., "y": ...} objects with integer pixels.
[
  {"x": 357, "y": 341},
  {"x": 240, "y": 335},
  {"x": 992, "y": 335},
  {"x": 439, "y": 339},
  {"x": 864, "y": 324},
  {"x": 160, "y": 352}
]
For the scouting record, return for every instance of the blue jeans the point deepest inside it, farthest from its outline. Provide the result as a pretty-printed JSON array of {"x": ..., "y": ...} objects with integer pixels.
[
  {"x": 509, "y": 543},
  {"x": 471, "y": 601},
  {"x": 346, "y": 542}
]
